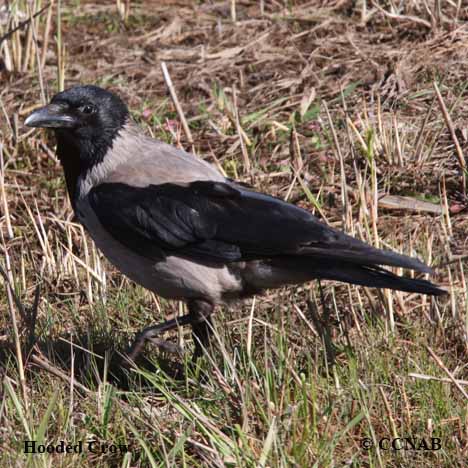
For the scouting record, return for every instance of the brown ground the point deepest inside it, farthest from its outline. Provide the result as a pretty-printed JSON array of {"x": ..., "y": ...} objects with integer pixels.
[{"x": 337, "y": 110}]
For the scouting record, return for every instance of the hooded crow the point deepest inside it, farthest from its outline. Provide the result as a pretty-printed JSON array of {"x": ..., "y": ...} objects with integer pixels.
[{"x": 172, "y": 223}]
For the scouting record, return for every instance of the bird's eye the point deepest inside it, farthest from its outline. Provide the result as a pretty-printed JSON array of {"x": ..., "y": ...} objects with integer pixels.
[{"x": 87, "y": 109}]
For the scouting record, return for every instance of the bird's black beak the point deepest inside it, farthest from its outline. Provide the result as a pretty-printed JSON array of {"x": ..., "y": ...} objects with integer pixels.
[{"x": 51, "y": 116}]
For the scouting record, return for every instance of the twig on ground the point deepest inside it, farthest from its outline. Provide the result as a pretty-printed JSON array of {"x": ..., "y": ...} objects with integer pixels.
[
  {"x": 23, "y": 23},
  {"x": 444, "y": 368},
  {"x": 415, "y": 375},
  {"x": 41, "y": 361},
  {"x": 175, "y": 100}
]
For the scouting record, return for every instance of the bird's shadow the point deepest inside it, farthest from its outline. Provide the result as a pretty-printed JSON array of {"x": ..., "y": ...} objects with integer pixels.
[{"x": 91, "y": 359}]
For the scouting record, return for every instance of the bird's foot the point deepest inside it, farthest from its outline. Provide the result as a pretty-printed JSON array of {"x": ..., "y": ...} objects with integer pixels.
[
  {"x": 167, "y": 346},
  {"x": 153, "y": 334}
]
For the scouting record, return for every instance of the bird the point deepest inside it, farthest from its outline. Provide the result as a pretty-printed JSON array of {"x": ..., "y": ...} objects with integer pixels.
[{"x": 171, "y": 222}]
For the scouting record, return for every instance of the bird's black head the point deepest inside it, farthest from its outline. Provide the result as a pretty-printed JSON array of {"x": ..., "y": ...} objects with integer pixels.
[{"x": 87, "y": 118}]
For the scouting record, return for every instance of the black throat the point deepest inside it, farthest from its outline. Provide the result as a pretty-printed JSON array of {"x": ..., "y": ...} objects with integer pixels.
[{"x": 79, "y": 156}]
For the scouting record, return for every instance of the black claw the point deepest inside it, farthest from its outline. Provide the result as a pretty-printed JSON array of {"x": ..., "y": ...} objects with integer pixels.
[
  {"x": 198, "y": 317},
  {"x": 167, "y": 346}
]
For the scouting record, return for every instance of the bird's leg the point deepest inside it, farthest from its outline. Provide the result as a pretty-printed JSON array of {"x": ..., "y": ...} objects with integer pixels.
[
  {"x": 198, "y": 316},
  {"x": 152, "y": 333},
  {"x": 200, "y": 311}
]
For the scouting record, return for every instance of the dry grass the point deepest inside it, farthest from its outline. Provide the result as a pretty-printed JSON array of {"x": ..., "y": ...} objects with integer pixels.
[{"x": 356, "y": 111}]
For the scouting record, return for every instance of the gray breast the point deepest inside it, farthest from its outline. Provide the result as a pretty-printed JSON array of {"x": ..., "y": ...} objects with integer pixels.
[{"x": 141, "y": 161}]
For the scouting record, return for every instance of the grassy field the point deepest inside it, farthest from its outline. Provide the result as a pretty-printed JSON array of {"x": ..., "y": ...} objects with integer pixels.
[{"x": 355, "y": 110}]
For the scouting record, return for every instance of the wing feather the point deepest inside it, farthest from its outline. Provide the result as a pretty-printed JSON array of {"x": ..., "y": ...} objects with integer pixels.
[{"x": 223, "y": 222}]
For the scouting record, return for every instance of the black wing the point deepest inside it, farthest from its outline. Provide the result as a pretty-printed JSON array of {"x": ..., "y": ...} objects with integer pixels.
[{"x": 222, "y": 222}]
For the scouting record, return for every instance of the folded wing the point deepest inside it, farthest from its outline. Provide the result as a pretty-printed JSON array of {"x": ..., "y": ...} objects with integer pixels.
[{"x": 222, "y": 222}]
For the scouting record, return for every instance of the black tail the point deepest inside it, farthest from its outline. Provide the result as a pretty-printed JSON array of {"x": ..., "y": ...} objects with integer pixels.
[{"x": 376, "y": 277}]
